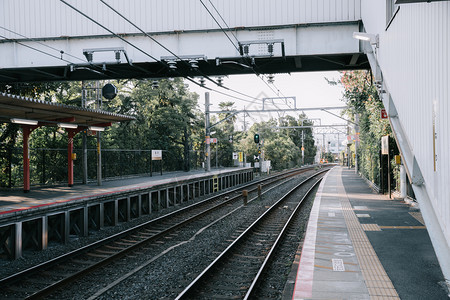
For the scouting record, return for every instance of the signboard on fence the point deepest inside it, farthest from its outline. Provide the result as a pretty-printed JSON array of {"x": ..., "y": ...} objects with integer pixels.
[
  {"x": 156, "y": 154},
  {"x": 241, "y": 156}
]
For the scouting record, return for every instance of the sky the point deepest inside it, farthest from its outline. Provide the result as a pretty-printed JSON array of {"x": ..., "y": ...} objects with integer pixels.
[{"x": 309, "y": 88}]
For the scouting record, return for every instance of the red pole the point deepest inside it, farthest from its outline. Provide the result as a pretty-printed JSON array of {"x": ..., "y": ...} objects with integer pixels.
[
  {"x": 26, "y": 158},
  {"x": 69, "y": 156}
]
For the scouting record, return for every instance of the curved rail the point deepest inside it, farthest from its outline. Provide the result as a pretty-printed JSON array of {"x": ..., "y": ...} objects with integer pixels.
[
  {"x": 102, "y": 252},
  {"x": 220, "y": 262}
]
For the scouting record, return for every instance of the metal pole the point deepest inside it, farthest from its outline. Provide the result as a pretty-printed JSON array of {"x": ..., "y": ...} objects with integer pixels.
[
  {"x": 303, "y": 149},
  {"x": 217, "y": 146},
  {"x": 207, "y": 134},
  {"x": 356, "y": 141},
  {"x": 85, "y": 161},
  {"x": 99, "y": 150}
]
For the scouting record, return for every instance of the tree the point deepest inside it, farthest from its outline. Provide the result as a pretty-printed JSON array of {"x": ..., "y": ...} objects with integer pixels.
[
  {"x": 225, "y": 133},
  {"x": 361, "y": 96},
  {"x": 166, "y": 118}
]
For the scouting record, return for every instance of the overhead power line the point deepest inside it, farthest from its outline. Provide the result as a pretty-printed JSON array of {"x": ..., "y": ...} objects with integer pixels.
[
  {"x": 218, "y": 24},
  {"x": 176, "y": 56},
  {"x": 43, "y": 44}
]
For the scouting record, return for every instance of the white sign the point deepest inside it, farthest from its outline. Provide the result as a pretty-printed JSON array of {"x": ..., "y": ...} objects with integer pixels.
[
  {"x": 385, "y": 145},
  {"x": 156, "y": 154},
  {"x": 235, "y": 155},
  {"x": 213, "y": 140}
]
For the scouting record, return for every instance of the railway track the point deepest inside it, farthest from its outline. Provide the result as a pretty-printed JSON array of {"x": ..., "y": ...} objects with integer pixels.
[
  {"x": 237, "y": 271},
  {"x": 48, "y": 277}
]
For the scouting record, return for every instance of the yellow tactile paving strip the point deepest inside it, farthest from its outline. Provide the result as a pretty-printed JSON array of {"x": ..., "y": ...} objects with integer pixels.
[
  {"x": 377, "y": 281},
  {"x": 418, "y": 216},
  {"x": 371, "y": 227},
  {"x": 403, "y": 227}
]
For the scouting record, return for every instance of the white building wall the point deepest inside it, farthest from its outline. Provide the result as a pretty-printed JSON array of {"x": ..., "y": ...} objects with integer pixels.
[
  {"x": 414, "y": 58},
  {"x": 52, "y": 18}
]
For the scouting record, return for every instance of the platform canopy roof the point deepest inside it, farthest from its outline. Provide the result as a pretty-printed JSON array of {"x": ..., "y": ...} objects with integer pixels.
[{"x": 14, "y": 107}]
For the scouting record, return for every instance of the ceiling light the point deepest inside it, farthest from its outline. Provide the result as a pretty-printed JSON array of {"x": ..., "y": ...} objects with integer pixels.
[
  {"x": 96, "y": 128},
  {"x": 24, "y": 121},
  {"x": 68, "y": 125},
  {"x": 368, "y": 37}
]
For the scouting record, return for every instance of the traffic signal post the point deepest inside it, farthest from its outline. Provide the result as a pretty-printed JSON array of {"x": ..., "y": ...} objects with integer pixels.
[{"x": 259, "y": 158}]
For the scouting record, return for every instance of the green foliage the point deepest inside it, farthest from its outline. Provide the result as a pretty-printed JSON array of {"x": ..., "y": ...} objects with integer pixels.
[
  {"x": 362, "y": 98},
  {"x": 281, "y": 146},
  {"x": 167, "y": 118}
]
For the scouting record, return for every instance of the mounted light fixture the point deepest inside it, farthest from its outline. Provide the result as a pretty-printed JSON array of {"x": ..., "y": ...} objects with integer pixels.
[
  {"x": 96, "y": 128},
  {"x": 24, "y": 121},
  {"x": 68, "y": 125},
  {"x": 155, "y": 84},
  {"x": 367, "y": 37}
]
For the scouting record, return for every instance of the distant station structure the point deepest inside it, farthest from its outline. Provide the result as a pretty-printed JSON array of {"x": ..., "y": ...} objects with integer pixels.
[
  {"x": 31, "y": 114},
  {"x": 404, "y": 43}
]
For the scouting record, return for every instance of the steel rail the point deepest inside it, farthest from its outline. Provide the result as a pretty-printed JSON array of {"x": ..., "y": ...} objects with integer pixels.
[
  {"x": 187, "y": 292},
  {"x": 132, "y": 231}
]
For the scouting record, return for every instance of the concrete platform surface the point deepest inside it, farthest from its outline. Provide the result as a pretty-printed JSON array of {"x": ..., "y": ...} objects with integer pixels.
[
  {"x": 16, "y": 200},
  {"x": 362, "y": 245}
]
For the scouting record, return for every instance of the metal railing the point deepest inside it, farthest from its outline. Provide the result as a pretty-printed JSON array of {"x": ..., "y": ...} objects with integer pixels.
[{"x": 48, "y": 166}]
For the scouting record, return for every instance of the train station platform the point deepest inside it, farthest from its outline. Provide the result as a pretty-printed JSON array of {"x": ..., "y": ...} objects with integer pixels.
[
  {"x": 14, "y": 201},
  {"x": 30, "y": 221},
  {"x": 363, "y": 245}
]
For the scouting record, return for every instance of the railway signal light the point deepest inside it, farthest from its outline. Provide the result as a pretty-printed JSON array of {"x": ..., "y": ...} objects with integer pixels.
[{"x": 256, "y": 138}]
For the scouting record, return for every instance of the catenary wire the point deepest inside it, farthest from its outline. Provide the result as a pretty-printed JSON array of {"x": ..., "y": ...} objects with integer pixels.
[
  {"x": 38, "y": 50},
  {"x": 275, "y": 92},
  {"x": 146, "y": 34},
  {"x": 43, "y": 44}
]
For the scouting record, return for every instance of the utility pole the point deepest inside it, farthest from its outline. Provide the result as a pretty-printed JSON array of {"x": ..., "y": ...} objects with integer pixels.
[{"x": 207, "y": 134}]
